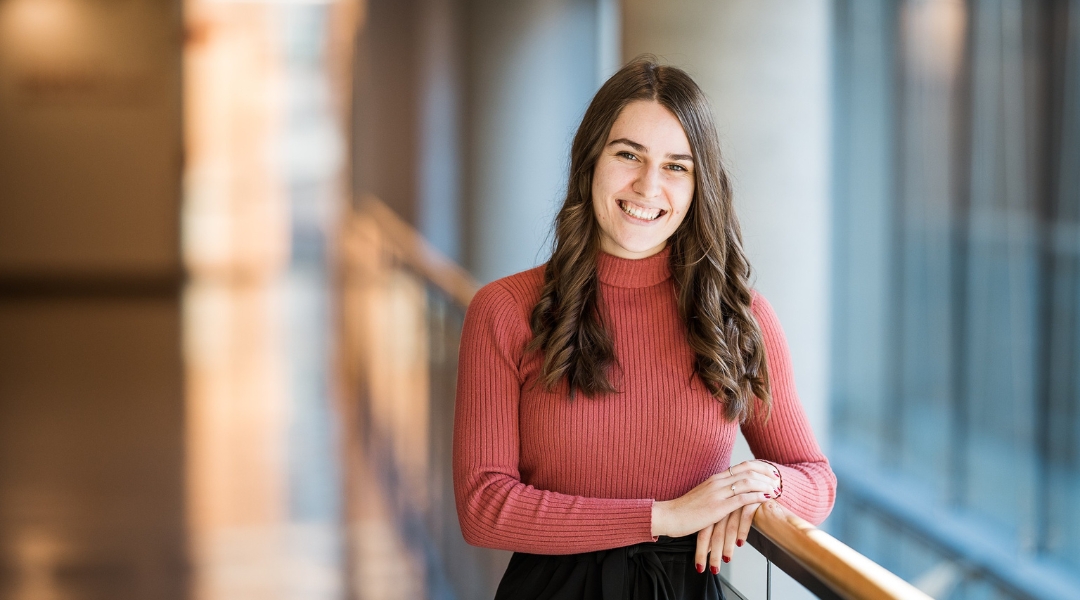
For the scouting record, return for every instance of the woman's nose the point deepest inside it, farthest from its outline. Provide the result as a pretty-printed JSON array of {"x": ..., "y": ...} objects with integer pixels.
[{"x": 648, "y": 182}]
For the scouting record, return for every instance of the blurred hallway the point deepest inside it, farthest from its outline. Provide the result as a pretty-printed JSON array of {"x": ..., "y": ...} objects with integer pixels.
[{"x": 238, "y": 237}]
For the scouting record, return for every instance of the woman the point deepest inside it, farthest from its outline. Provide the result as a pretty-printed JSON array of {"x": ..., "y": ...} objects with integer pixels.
[{"x": 599, "y": 395}]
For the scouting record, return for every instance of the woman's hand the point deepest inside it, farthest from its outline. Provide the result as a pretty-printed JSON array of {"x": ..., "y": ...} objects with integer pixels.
[
  {"x": 713, "y": 500},
  {"x": 718, "y": 540}
]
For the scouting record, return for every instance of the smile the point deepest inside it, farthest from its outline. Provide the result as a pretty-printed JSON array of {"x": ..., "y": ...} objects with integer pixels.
[{"x": 645, "y": 214}]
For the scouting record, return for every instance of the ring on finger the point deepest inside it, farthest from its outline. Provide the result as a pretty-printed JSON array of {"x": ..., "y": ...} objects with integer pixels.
[
  {"x": 729, "y": 472},
  {"x": 733, "y": 490}
]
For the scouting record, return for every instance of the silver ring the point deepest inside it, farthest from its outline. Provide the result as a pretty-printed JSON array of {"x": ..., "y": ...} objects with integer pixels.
[
  {"x": 729, "y": 472},
  {"x": 733, "y": 490}
]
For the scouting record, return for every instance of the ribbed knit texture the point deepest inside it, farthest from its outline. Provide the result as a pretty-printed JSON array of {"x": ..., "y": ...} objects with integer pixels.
[{"x": 538, "y": 472}]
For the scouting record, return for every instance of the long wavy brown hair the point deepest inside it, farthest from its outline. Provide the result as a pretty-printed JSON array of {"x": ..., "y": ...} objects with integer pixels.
[{"x": 710, "y": 271}]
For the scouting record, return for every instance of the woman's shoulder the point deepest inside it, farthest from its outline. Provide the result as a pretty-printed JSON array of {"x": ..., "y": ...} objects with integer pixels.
[
  {"x": 511, "y": 296},
  {"x": 765, "y": 316}
]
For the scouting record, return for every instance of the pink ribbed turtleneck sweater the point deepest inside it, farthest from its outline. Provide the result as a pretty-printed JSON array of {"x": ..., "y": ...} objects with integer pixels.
[{"x": 535, "y": 471}]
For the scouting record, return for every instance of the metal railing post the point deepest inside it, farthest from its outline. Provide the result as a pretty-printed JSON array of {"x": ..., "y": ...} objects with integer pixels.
[{"x": 768, "y": 579}]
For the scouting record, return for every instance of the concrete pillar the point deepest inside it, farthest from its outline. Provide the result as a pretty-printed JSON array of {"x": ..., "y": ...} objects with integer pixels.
[
  {"x": 532, "y": 69},
  {"x": 765, "y": 66}
]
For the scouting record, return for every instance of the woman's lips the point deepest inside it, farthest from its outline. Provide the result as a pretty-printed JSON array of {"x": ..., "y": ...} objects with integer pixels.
[{"x": 640, "y": 212}]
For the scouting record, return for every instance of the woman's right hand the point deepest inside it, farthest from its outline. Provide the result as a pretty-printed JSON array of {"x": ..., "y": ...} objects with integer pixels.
[{"x": 710, "y": 502}]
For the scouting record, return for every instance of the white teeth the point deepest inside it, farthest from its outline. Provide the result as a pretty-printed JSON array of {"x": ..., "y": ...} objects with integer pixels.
[{"x": 641, "y": 213}]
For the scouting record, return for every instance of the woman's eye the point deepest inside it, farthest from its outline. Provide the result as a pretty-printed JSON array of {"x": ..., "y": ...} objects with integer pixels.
[
  {"x": 626, "y": 155},
  {"x": 678, "y": 168}
]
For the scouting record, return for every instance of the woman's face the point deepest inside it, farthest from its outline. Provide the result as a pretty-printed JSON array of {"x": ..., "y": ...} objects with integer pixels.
[{"x": 643, "y": 181}]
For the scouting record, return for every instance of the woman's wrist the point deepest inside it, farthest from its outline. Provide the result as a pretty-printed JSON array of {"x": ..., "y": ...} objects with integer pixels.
[{"x": 661, "y": 511}]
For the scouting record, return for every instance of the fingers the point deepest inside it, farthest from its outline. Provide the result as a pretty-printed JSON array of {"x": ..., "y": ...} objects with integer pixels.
[
  {"x": 745, "y": 522},
  {"x": 733, "y": 505},
  {"x": 743, "y": 483},
  {"x": 730, "y": 533},
  {"x": 716, "y": 543},
  {"x": 704, "y": 537},
  {"x": 709, "y": 502},
  {"x": 755, "y": 469},
  {"x": 716, "y": 546},
  {"x": 756, "y": 465},
  {"x": 723, "y": 537}
]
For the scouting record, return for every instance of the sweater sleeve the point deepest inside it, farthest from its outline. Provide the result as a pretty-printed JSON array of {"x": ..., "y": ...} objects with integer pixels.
[
  {"x": 785, "y": 439},
  {"x": 495, "y": 508}
]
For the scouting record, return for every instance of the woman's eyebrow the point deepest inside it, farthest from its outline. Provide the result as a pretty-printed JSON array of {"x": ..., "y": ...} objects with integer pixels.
[
  {"x": 632, "y": 144},
  {"x": 638, "y": 147}
]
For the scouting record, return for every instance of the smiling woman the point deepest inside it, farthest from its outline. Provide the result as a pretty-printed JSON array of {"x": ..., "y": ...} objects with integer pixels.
[
  {"x": 600, "y": 394},
  {"x": 643, "y": 182}
]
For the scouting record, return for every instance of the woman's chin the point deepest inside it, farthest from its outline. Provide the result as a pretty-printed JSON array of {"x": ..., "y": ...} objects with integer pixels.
[{"x": 635, "y": 248}]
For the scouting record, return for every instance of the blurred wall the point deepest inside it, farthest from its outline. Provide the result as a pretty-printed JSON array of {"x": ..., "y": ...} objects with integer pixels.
[
  {"x": 464, "y": 115},
  {"x": 90, "y": 371},
  {"x": 532, "y": 70}
]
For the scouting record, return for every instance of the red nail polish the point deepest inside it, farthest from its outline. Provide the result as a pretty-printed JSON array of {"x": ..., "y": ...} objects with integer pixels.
[
  {"x": 700, "y": 568},
  {"x": 726, "y": 559},
  {"x": 768, "y": 496},
  {"x": 716, "y": 570},
  {"x": 738, "y": 543}
]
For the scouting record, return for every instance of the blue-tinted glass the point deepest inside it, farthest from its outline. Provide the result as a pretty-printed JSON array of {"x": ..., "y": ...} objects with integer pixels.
[
  {"x": 957, "y": 273},
  {"x": 1001, "y": 294},
  {"x": 863, "y": 219},
  {"x": 1062, "y": 524},
  {"x": 930, "y": 50}
]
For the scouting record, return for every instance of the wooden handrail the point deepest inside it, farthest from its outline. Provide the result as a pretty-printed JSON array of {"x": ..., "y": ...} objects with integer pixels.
[
  {"x": 850, "y": 574},
  {"x": 420, "y": 256}
]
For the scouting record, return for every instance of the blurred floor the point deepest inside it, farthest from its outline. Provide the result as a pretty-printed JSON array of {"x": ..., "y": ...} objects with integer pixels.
[{"x": 90, "y": 449}]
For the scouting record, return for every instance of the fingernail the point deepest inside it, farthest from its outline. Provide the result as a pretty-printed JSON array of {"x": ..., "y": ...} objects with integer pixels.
[
  {"x": 700, "y": 568},
  {"x": 716, "y": 570},
  {"x": 726, "y": 559},
  {"x": 768, "y": 495},
  {"x": 738, "y": 543}
]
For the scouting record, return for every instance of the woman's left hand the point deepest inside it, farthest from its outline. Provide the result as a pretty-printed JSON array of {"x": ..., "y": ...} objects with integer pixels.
[{"x": 717, "y": 542}]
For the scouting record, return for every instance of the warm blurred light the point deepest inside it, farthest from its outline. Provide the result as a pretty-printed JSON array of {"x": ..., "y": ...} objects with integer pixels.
[
  {"x": 934, "y": 36},
  {"x": 245, "y": 313},
  {"x": 273, "y": 1},
  {"x": 235, "y": 244},
  {"x": 41, "y": 22},
  {"x": 37, "y": 554},
  {"x": 235, "y": 209},
  {"x": 45, "y": 33}
]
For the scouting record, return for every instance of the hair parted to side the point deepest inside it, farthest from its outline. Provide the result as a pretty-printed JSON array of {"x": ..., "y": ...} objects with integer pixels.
[{"x": 710, "y": 271}]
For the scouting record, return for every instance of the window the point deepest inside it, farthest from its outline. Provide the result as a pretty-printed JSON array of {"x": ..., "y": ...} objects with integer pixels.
[{"x": 956, "y": 359}]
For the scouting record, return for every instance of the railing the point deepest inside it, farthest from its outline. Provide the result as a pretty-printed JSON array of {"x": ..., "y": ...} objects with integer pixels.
[{"x": 401, "y": 310}]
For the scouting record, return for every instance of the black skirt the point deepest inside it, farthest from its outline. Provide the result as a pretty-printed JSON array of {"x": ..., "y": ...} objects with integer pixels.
[{"x": 660, "y": 570}]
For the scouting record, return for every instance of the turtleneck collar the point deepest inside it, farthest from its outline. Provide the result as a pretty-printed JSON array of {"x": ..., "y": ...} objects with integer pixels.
[{"x": 634, "y": 273}]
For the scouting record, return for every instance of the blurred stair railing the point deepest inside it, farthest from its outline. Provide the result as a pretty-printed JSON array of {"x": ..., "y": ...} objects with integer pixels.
[{"x": 401, "y": 308}]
